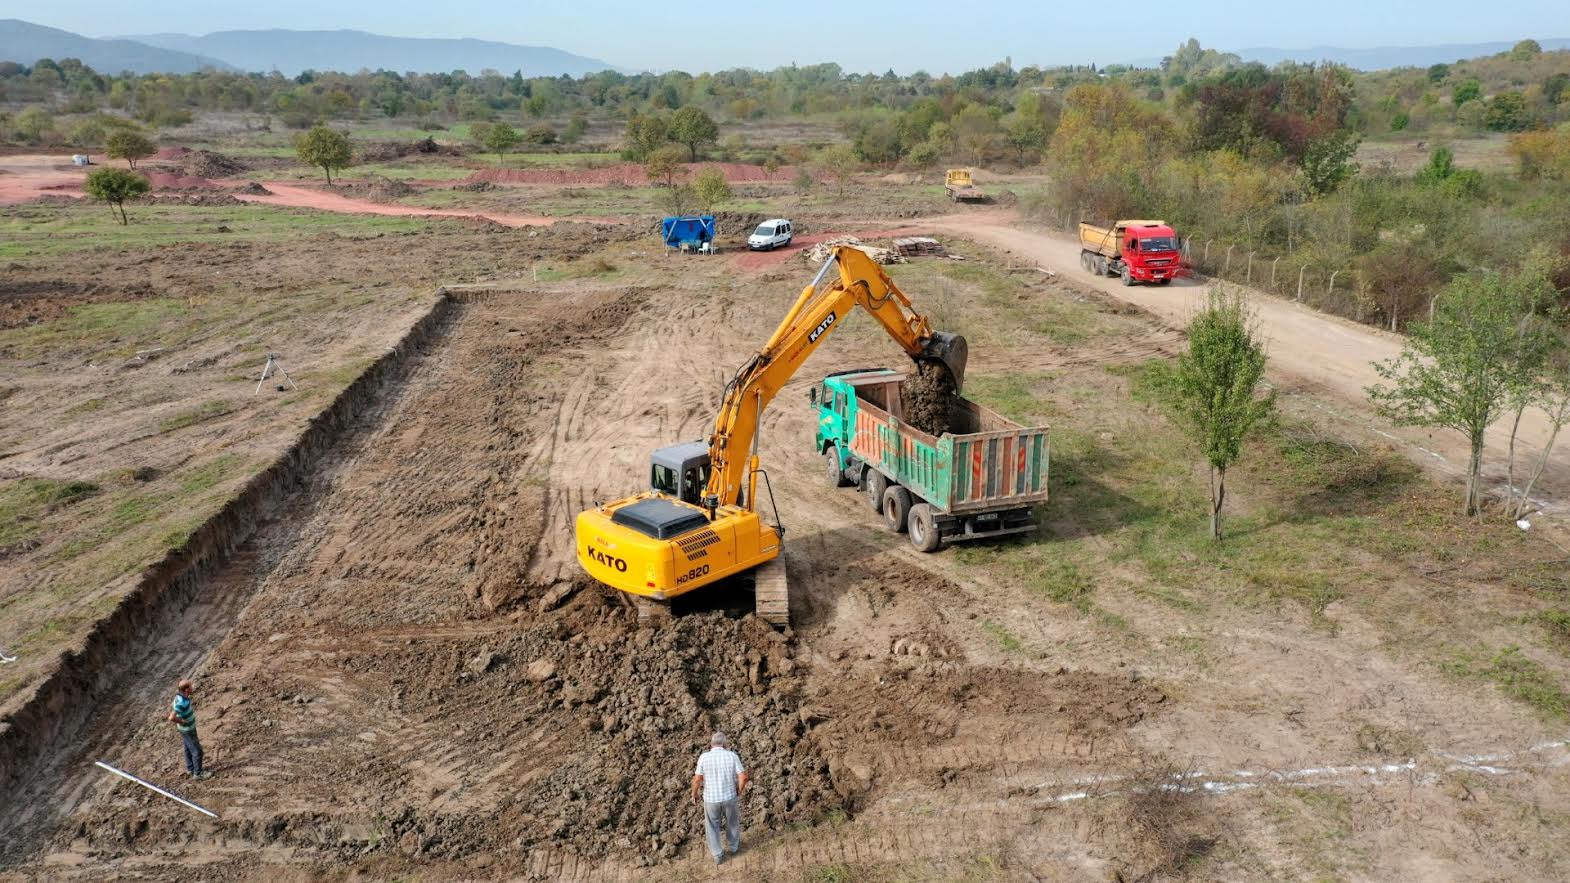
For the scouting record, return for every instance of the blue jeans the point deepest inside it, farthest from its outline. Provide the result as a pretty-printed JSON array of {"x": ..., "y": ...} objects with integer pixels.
[
  {"x": 193, "y": 752},
  {"x": 723, "y": 816}
]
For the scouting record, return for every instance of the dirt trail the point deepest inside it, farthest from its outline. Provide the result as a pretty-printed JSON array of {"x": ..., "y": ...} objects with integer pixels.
[
  {"x": 1310, "y": 352},
  {"x": 296, "y": 196}
]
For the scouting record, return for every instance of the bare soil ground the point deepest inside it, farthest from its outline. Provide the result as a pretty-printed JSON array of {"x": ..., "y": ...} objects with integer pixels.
[{"x": 402, "y": 674}]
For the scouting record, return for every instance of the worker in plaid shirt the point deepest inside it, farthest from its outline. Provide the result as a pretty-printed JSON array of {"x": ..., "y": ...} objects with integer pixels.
[{"x": 719, "y": 782}]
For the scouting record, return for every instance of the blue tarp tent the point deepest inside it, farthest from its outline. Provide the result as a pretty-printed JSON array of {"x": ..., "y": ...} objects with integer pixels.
[{"x": 691, "y": 231}]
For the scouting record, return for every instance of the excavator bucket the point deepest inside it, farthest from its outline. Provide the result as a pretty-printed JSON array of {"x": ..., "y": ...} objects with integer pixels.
[{"x": 952, "y": 351}]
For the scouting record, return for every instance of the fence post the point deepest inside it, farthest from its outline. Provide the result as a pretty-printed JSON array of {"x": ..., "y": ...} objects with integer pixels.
[
  {"x": 1228, "y": 266},
  {"x": 1332, "y": 289},
  {"x": 1248, "y": 278},
  {"x": 1207, "y": 250},
  {"x": 1273, "y": 273},
  {"x": 1300, "y": 282}
]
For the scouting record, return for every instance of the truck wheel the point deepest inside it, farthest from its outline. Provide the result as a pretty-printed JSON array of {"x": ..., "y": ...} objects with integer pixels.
[
  {"x": 1101, "y": 266},
  {"x": 896, "y": 508},
  {"x": 923, "y": 528},
  {"x": 876, "y": 485},
  {"x": 1166, "y": 281},
  {"x": 831, "y": 464},
  {"x": 1128, "y": 278}
]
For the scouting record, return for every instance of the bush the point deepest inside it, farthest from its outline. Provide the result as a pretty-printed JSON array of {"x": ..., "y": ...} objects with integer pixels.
[{"x": 115, "y": 186}]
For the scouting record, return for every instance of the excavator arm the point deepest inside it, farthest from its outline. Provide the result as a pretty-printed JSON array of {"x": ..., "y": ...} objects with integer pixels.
[{"x": 849, "y": 279}]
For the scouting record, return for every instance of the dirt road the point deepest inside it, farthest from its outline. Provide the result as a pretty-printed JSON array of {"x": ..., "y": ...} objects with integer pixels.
[
  {"x": 1324, "y": 356},
  {"x": 296, "y": 196}
]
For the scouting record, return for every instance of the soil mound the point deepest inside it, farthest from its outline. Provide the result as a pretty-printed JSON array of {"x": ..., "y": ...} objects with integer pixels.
[
  {"x": 475, "y": 187},
  {"x": 174, "y": 181},
  {"x": 386, "y": 150},
  {"x": 172, "y": 153},
  {"x": 628, "y": 174},
  {"x": 202, "y": 199},
  {"x": 256, "y": 189},
  {"x": 389, "y": 190},
  {"x": 207, "y": 164}
]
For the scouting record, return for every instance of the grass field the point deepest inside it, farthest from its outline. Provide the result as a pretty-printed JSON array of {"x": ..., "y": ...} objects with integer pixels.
[{"x": 38, "y": 233}]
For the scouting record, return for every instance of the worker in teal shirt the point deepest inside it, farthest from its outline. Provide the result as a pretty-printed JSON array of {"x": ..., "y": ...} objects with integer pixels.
[{"x": 183, "y": 715}]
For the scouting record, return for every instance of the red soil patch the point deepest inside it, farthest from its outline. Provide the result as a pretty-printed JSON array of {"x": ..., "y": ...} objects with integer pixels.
[
  {"x": 306, "y": 197},
  {"x": 172, "y": 153},
  {"x": 175, "y": 181},
  {"x": 630, "y": 174}
]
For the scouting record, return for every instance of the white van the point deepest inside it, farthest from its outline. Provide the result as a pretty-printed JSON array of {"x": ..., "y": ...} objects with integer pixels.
[{"x": 770, "y": 235}]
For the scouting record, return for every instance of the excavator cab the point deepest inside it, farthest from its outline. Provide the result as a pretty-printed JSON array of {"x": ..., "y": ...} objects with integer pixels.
[{"x": 680, "y": 471}]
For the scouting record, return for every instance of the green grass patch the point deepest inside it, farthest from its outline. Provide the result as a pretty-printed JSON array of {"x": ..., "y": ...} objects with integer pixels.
[
  {"x": 24, "y": 503},
  {"x": 1557, "y": 623},
  {"x": 201, "y": 413},
  {"x": 1005, "y": 638},
  {"x": 48, "y": 231},
  {"x": 208, "y": 475},
  {"x": 1517, "y": 675},
  {"x": 1011, "y": 395}
]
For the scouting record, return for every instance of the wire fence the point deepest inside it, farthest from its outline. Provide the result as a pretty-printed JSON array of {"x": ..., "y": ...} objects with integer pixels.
[{"x": 1329, "y": 289}]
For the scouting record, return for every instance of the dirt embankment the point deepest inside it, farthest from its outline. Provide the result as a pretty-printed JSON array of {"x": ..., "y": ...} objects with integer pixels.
[
  {"x": 630, "y": 174},
  {"x": 62, "y": 703}
]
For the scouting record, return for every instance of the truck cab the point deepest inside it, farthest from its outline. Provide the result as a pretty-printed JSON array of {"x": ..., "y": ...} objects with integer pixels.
[{"x": 1151, "y": 252}]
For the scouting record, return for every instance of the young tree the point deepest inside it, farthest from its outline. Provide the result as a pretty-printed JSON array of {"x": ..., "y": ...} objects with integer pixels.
[
  {"x": 115, "y": 186},
  {"x": 1328, "y": 161},
  {"x": 711, "y": 188},
  {"x": 840, "y": 163},
  {"x": 34, "y": 123},
  {"x": 771, "y": 164},
  {"x": 129, "y": 146},
  {"x": 694, "y": 128},
  {"x": 1212, "y": 392},
  {"x": 501, "y": 138},
  {"x": 325, "y": 148},
  {"x": 1458, "y": 369},
  {"x": 664, "y": 167},
  {"x": 646, "y": 133},
  {"x": 576, "y": 127}
]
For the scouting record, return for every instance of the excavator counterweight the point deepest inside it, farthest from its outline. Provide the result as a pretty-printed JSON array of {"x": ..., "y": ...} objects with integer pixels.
[{"x": 699, "y": 522}]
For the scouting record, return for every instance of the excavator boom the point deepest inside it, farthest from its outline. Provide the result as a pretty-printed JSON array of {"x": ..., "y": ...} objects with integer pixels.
[{"x": 663, "y": 543}]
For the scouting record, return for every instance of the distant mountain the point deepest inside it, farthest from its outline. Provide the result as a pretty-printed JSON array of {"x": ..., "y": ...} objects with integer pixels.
[
  {"x": 1382, "y": 57},
  {"x": 25, "y": 43},
  {"x": 291, "y": 52}
]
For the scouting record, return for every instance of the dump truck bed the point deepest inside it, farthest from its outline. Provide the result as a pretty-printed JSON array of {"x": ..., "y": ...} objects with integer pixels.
[
  {"x": 986, "y": 462},
  {"x": 1101, "y": 240}
]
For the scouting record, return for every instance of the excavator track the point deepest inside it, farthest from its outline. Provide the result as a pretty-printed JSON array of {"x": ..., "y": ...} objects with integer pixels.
[{"x": 771, "y": 593}]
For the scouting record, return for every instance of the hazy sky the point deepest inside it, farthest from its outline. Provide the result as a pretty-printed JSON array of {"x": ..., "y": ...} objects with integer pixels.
[{"x": 862, "y": 36}]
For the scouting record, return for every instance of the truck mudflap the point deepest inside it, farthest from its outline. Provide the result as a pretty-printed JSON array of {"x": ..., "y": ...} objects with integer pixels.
[{"x": 959, "y": 528}]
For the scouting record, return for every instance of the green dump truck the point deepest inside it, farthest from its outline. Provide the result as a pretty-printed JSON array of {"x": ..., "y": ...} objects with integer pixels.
[{"x": 980, "y": 479}]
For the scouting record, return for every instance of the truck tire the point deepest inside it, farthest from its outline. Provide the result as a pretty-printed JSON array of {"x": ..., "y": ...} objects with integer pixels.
[
  {"x": 1166, "y": 281},
  {"x": 876, "y": 485},
  {"x": 1084, "y": 261},
  {"x": 1101, "y": 266},
  {"x": 896, "y": 508},
  {"x": 831, "y": 467},
  {"x": 923, "y": 528},
  {"x": 1128, "y": 278}
]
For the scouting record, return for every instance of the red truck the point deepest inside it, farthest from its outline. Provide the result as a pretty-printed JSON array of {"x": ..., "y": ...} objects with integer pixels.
[{"x": 1137, "y": 251}]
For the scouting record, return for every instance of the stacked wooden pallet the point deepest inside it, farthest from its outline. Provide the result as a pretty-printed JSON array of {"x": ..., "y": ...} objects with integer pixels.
[{"x": 910, "y": 246}]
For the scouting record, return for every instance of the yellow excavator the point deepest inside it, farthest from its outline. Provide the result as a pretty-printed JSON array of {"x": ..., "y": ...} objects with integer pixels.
[{"x": 699, "y": 522}]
